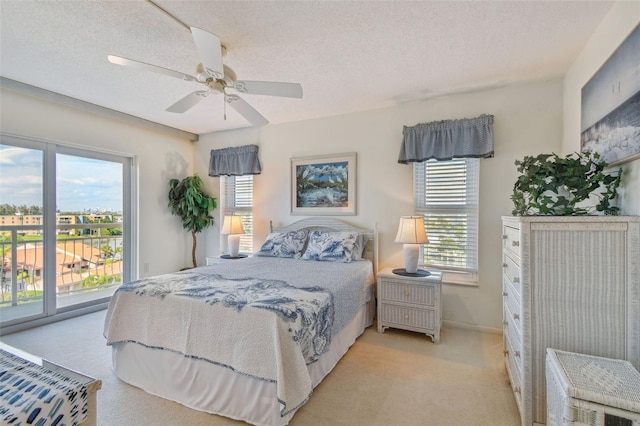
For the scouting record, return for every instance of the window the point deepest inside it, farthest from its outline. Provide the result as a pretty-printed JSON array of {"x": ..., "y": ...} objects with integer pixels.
[
  {"x": 237, "y": 198},
  {"x": 446, "y": 194}
]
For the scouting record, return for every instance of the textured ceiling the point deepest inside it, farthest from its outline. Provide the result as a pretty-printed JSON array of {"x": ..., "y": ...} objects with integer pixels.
[{"x": 347, "y": 55}]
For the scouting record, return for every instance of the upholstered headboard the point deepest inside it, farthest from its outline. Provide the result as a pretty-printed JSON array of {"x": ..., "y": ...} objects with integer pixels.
[{"x": 332, "y": 224}]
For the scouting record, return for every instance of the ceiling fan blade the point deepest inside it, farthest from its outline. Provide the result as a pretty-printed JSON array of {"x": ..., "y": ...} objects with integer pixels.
[
  {"x": 154, "y": 68},
  {"x": 269, "y": 88},
  {"x": 246, "y": 110},
  {"x": 188, "y": 101},
  {"x": 210, "y": 52}
]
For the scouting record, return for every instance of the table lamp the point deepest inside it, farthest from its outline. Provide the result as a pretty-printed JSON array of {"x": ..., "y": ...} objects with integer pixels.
[
  {"x": 232, "y": 227},
  {"x": 411, "y": 232}
]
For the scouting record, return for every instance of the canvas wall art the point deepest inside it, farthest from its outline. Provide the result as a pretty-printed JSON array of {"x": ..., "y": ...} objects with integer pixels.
[
  {"x": 610, "y": 120},
  {"x": 323, "y": 185}
]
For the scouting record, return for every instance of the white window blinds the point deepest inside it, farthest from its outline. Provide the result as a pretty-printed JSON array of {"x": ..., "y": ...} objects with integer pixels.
[
  {"x": 446, "y": 194},
  {"x": 237, "y": 198}
]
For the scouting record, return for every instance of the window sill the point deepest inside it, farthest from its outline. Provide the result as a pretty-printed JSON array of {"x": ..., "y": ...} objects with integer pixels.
[{"x": 456, "y": 278}]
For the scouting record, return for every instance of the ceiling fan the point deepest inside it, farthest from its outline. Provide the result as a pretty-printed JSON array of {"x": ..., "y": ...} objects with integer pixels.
[{"x": 217, "y": 78}]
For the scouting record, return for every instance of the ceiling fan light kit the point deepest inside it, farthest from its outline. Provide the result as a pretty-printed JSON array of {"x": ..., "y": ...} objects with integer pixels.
[{"x": 217, "y": 77}]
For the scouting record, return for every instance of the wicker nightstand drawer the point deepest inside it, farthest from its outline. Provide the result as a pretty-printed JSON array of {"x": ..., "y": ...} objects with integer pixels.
[
  {"x": 420, "y": 294},
  {"x": 410, "y": 303},
  {"x": 417, "y": 319}
]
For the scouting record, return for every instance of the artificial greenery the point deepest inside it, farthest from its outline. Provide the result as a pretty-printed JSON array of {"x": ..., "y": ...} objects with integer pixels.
[
  {"x": 554, "y": 185},
  {"x": 189, "y": 200}
]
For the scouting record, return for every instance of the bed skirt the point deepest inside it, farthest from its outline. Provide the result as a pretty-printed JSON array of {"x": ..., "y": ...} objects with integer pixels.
[{"x": 204, "y": 386}]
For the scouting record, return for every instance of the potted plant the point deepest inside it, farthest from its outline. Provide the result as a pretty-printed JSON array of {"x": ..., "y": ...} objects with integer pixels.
[
  {"x": 554, "y": 185},
  {"x": 189, "y": 200}
]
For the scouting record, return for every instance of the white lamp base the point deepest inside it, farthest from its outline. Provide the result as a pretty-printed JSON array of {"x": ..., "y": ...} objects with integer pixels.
[
  {"x": 234, "y": 245},
  {"x": 411, "y": 253}
]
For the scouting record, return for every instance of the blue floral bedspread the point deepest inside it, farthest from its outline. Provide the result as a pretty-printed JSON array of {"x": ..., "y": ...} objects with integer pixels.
[
  {"x": 266, "y": 318},
  {"x": 308, "y": 312}
]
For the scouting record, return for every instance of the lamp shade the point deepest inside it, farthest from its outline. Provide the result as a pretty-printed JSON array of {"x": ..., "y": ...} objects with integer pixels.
[
  {"x": 232, "y": 225},
  {"x": 411, "y": 230}
]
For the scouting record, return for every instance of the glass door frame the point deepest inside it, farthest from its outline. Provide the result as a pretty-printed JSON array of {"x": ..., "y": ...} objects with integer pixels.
[
  {"x": 129, "y": 194},
  {"x": 127, "y": 240}
]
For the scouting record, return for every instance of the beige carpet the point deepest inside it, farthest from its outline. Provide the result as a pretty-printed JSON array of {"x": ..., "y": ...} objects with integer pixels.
[{"x": 395, "y": 378}]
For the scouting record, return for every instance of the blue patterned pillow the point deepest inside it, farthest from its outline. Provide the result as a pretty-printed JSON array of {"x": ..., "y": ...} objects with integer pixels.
[
  {"x": 284, "y": 244},
  {"x": 330, "y": 246}
]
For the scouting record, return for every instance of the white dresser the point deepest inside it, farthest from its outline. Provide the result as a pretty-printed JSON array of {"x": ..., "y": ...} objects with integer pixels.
[{"x": 571, "y": 283}]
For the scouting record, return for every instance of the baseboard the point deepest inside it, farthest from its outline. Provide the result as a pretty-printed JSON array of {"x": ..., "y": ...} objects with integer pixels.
[
  {"x": 51, "y": 319},
  {"x": 469, "y": 326}
]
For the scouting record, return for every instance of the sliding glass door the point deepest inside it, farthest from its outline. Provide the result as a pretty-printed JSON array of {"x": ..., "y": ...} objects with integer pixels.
[
  {"x": 89, "y": 227},
  {"x": 22, "y": 236},
  {"x": 64, "y": 228}
]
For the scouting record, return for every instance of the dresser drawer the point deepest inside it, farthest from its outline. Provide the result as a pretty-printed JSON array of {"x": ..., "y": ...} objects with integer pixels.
[
  {"x": 405, "y": 316},
  {"x": 511, "y": 240},
  {"x": 512, "y": 272},
  {"x": 512, "y": 302},
  {"x": 514, "y": 338},
  {"x": 515, "y": 374},
  {"x": 395, "y": 291}
]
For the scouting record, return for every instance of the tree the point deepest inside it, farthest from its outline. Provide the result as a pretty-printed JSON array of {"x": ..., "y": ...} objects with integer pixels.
[
  {"x": 10, "y": 209},
  {"x": 7, "y": 209},
  {"x": 34, "y": 210},
  {"x": 94, "y": 281},
  {"x": 107, "y": 250},
  {"x": 26, "y": 277},
  {"x": 189, "y": 200}
]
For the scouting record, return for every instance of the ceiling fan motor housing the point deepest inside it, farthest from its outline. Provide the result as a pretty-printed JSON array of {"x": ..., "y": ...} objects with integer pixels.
[{"x": 214, "y": 83}]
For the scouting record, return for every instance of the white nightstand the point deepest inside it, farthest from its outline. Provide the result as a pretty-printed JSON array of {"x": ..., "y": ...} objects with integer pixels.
[{"x": 410, "y": 303}]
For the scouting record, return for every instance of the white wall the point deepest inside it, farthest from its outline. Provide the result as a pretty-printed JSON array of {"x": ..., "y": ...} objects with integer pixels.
[
  {"x": 164, "y": 245},
  {"x": 612, "y": 31},
  {"x": 528, "y": 120}
]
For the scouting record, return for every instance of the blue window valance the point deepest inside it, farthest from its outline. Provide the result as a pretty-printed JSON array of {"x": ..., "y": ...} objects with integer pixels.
[
  {"x": 236, "y": 161},
  {"x": 447, "y": 139}
]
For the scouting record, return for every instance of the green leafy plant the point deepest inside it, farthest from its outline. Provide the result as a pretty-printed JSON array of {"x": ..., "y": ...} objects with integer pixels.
[
  {"x": 189, "y": 200},
  {"x": 554, "y": 185}
]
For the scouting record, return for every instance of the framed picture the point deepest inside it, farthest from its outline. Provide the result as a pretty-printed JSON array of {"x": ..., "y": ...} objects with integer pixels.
[
  {"x": 324, "y": 185},
  {"x": 610, "y": 113}
]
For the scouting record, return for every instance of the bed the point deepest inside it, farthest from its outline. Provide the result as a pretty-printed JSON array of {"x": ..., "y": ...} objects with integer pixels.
[{"x": 249, "y": 339}]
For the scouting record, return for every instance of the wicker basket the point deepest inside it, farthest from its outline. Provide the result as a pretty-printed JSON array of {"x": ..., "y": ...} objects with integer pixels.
[{"x": 590, "y": 390}]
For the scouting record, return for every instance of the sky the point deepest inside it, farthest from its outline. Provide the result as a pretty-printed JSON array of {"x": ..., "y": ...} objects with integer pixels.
[{"x": 82, "y": 183}]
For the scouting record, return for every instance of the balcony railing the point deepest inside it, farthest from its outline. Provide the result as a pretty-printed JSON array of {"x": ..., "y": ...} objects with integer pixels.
[{"x": 88, "y": 257}]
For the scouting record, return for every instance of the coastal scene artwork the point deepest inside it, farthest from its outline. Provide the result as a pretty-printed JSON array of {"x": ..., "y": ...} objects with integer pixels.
[
  {"x": 610, "y": 120},
  {"x": 323, "y": 185}
]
